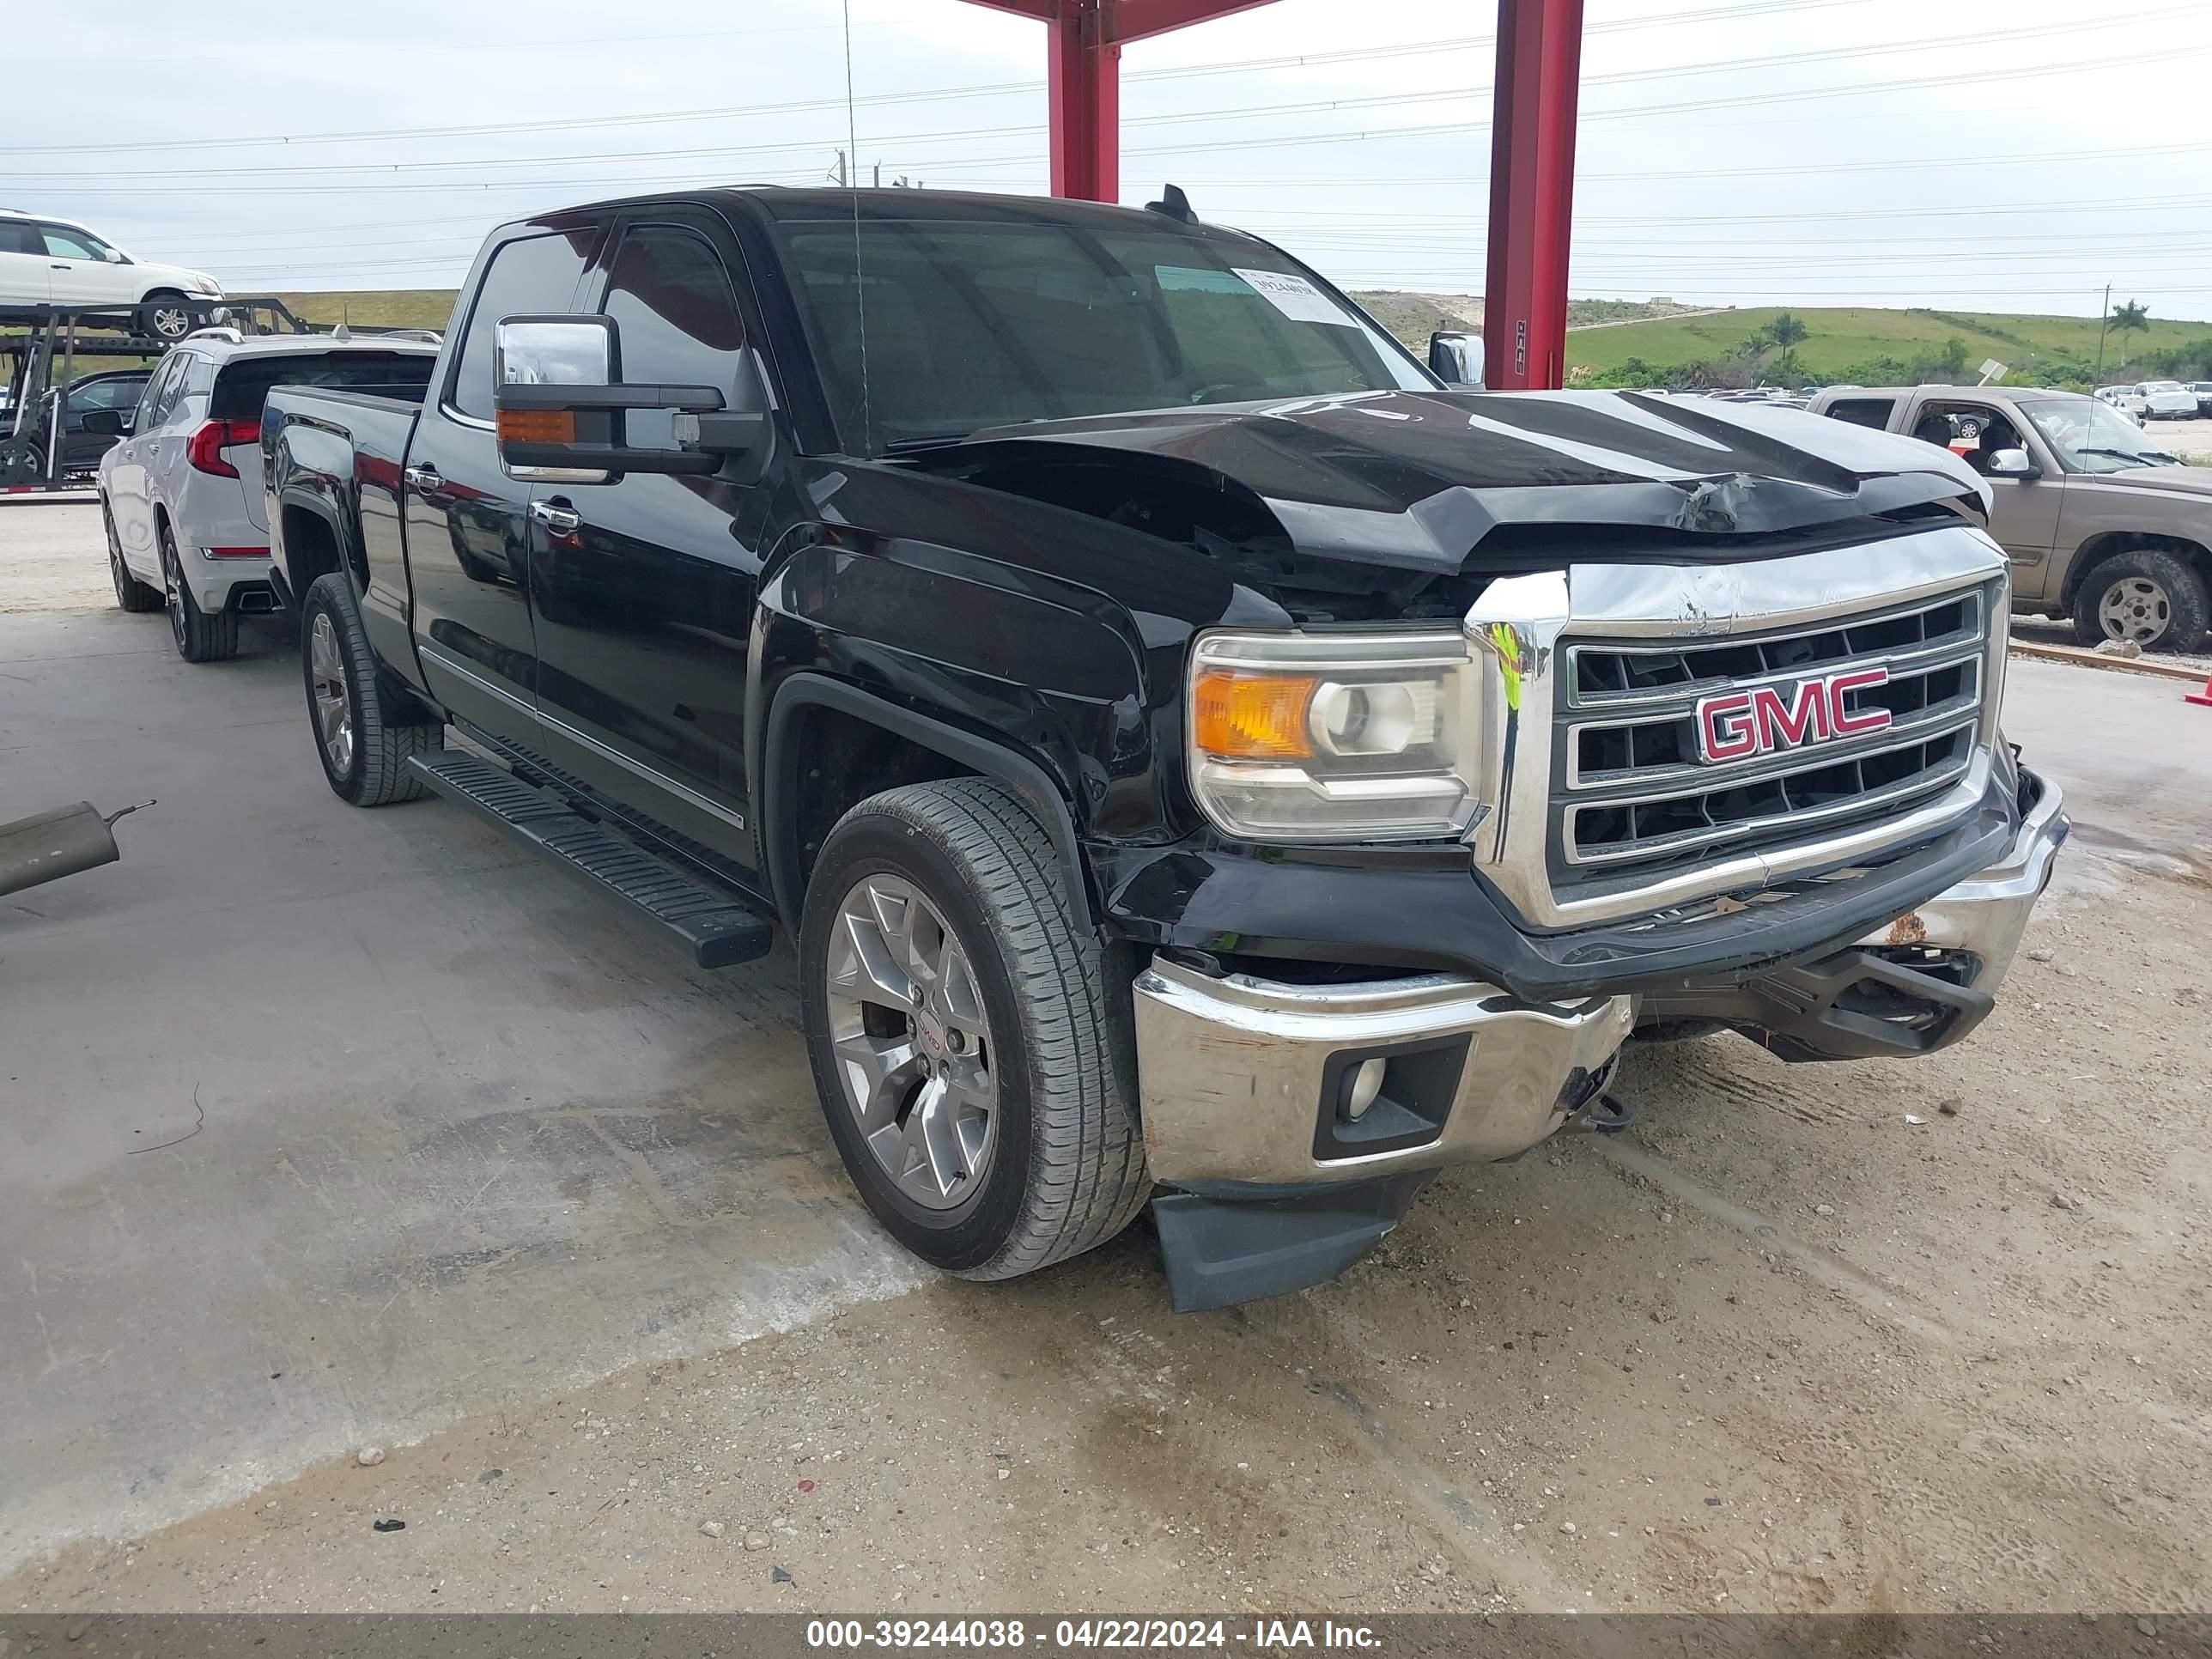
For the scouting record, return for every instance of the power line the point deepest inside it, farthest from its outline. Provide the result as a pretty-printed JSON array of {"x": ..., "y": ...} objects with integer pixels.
[
  {"x": 1391, "y": 100},
  {"x": 660, "y": 116}
]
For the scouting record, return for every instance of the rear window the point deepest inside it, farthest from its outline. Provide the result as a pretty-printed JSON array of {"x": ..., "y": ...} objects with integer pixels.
[
  {"x": 1862, "y": 412},
  {"x": 243, "y": 386}
]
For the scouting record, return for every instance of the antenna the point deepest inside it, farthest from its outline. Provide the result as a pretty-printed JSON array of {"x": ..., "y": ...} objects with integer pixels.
[{"x": 1174, "y": 203}]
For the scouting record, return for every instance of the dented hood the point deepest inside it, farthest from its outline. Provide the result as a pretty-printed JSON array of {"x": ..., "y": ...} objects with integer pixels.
[{"x": 1418, "y": 479}]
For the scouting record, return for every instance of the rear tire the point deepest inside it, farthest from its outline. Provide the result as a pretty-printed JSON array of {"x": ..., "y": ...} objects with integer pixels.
[
  {"x": 364, "y": 756},
  {"x": 918, "y": 876},
  {"x": 201, "y": 636},
  {"x": 2146, "y": 595},
  {"x": 131, "y": 594}
]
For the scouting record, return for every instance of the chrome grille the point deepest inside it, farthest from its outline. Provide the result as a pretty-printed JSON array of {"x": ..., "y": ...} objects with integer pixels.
[{"x": 1632, "y": 799}]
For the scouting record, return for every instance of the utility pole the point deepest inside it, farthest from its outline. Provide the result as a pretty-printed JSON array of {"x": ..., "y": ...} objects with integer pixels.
[
  {"x": 2103, "y": 323},
  {"x": 841, "y": 169},
  {"x": 879, "y": 175}
]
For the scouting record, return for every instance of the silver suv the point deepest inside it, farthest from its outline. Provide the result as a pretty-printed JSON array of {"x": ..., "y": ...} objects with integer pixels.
[{"x": 180, "y": 494}]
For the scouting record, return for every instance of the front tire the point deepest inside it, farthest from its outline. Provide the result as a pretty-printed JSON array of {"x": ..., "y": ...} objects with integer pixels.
[
  {"x": 131, "y": 594},
  {"x": 201, "y": 636},
  {"x": 974, "y": 1076},
  {"x": 167, "y": 316},
  {"x": 364, "y": 756},
  {"x": 2146, "y": 595}
]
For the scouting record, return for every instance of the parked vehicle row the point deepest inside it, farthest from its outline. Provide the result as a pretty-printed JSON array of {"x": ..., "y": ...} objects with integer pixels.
[
  {"x": 2099, "y": 524},
  {"x": 1200, "y": 758}
]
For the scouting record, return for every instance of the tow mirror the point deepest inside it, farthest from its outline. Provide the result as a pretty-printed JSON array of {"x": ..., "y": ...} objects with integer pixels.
[
  {"x": 104, "y": 423},
  {"x": 1456, "y": 359},
  {"x": 561, "y": 410},
  {"x": 2013, "y": 464}
]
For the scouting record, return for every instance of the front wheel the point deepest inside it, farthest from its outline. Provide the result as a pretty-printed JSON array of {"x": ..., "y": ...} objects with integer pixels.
[
  {"x": 364, "y": 755},
  {"x": 166, "y": 316},
  {"x": 130, "y": 594},
  {"x": 2146, "y": 595},
  {"x": 976, "y": 1077}
]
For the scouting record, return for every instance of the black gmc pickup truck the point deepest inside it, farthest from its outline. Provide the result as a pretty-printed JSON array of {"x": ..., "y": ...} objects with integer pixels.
[{"x": 1201, "y": 759}]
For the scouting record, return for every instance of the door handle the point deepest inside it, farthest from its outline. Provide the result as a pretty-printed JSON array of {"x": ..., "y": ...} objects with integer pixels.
[
  {"x": 424, "y": 478},
  {"x": 562, "y": 520}
]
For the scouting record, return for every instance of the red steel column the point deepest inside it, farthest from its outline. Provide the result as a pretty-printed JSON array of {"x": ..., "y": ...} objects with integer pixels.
[
  {"x": 1086, "y": 78},
  {"x": 1532, "y": 190},
  {"x": 1085, "y": 102}
]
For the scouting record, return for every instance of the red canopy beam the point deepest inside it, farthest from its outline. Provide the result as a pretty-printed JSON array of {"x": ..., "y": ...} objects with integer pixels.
[
  {"x": 1532, "y": 193},
  {"x": 1532, "y": 153},
  {"x": 1085, "y": 79}
]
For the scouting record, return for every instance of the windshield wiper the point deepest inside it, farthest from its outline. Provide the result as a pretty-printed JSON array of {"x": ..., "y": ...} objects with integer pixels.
[
  {"x": 908, "y": 446},
  {"x": 2129, "y": 454}
]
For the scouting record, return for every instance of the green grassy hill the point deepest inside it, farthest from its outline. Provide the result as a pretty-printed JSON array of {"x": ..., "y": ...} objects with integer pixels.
[
  {"x": 399, "y": 307},
  {"x": 1866, "y": 344},
  {"x": 1843, "y": 343}
]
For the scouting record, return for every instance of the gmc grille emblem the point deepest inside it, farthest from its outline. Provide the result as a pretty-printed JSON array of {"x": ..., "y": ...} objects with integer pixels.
[{"x": 1737, "y": 725}]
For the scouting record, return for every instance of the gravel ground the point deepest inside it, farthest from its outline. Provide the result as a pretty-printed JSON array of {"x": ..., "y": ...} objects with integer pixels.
[{"x": 1781, "y": 1346}]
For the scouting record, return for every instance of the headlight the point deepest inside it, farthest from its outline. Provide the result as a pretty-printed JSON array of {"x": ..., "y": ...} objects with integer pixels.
[{"x": 1331, "y": 737}]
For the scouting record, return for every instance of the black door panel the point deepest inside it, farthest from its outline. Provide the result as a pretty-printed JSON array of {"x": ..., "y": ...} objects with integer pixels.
[
  {"x": 644, "y": 605},
  {"x": 467, "y": 529}
]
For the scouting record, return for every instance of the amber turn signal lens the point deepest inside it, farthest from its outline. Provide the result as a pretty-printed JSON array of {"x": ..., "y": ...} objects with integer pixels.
[
  {"x": 1252, "y": 716},
  {"x": 537, "y": 426}
]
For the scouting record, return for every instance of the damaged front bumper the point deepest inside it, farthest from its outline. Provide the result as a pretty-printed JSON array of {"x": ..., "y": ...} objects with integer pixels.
[
  {"x": 1299, "y": 1120},
  {"x": 1919, "y": 983}
]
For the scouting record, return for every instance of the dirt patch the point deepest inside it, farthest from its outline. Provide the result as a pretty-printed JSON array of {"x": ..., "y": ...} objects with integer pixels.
[{"x": 1778, "y": 1348}]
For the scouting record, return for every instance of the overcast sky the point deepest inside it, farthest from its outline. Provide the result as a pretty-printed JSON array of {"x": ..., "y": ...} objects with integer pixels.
[{"x": 1821, "y": 152}]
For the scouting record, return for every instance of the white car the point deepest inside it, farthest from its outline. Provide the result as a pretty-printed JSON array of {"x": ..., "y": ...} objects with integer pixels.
[
  {"x": 54, "y": 262},
  {"x": 2127, "y": 399},
  {"x": 2167, "y": 400},
  {"x": 180, "y": 495}
]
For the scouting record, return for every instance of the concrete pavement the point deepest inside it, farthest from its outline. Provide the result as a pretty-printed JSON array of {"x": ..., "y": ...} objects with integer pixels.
[{"x": 454, "y": 1126}]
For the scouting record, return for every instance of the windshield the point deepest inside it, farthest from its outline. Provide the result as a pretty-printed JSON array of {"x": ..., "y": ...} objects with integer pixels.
[
  {"x": 958, "y": 325},
  {"x": 2090, "y": 438}
]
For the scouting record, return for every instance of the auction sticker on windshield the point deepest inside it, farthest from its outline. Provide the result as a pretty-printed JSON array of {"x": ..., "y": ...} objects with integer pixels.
[{"x": 1297, "y": 298}]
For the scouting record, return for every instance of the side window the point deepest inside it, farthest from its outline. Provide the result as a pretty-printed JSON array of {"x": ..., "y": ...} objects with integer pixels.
[
  {"x": 1862, "y": 412},
  {"x": 162, "y": 392},
  {"x": 16, "y": 237},
  {"x": 535, "y": 274},
  {"x": 671, "y": 297},
  {"x": 63, "y": 243},
  {"x": 106, "y": 394}
]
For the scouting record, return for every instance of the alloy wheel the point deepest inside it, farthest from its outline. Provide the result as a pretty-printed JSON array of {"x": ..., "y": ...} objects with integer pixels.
[
  {"x": 2136, "y": 608},
  {"x": 333, "y": 709},
  {"x": 913, "y": 1044},
  {"x": 171, "y": 322},
  {"x": 172, "y": 590}
]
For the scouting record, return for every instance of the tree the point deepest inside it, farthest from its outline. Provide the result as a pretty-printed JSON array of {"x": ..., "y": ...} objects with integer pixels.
[
  {"x": 2133, "y": 318},
  {"x": 1954, "y": 357},
  {"x": 1787, "y": 330}
]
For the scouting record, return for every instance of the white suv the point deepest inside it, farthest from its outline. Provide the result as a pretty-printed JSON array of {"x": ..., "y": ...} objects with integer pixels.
[
  {"x": 53, "y": 262},
  {"x": 180, "y": 495},
  {"x": 2167, "y": 400}
]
